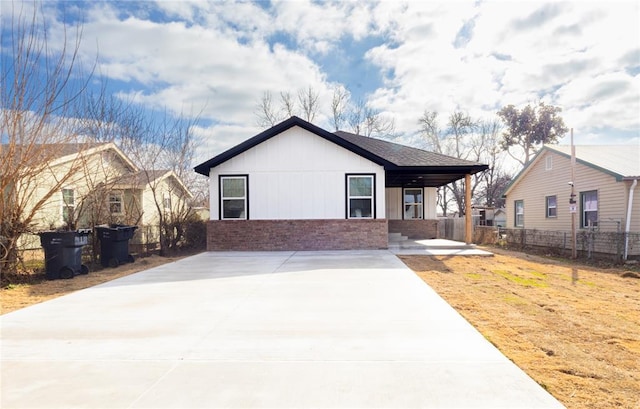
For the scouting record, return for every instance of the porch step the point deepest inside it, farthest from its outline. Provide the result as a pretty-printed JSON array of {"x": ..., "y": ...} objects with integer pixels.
[{"x": 397, "y": 238}]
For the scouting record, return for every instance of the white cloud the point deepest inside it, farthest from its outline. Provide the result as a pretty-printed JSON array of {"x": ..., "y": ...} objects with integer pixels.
[
  {"x": 512, "y": 53},
  {"x": 443, "y": 56}
]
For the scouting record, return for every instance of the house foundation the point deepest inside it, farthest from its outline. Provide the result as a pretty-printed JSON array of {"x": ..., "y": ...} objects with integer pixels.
[
  {"x": 296, "y": 235},
  {"x": 415, "y": 229}
]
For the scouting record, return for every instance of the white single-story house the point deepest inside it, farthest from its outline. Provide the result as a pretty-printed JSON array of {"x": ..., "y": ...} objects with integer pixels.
[{"x": 296, "y": 186}]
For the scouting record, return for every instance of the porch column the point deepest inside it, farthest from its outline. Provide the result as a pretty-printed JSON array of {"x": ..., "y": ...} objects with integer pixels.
[{"x": 468, "y": 231}]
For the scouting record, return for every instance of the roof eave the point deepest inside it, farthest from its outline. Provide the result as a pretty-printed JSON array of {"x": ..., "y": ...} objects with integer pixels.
[{"x": 205, "y": 167}]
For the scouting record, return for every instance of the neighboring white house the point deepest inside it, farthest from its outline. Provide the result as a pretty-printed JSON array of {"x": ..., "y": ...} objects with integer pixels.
[
  {"x": 297, "y": 186},
  {"x": 606, "y": 197},
  {"x": 104, "y": 187}
]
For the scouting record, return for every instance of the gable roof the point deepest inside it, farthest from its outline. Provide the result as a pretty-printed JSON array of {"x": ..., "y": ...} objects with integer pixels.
[
  {"x": 57, "y": 153},
  {"x": 392, "y": 156},
  {"x": 142, "y": 179},
  {"x": 620, "y": 161}
]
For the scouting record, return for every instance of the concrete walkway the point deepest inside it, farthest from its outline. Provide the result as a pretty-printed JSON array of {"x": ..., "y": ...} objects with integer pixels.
[
  {"x": 435, "y": 247},
  {"x": 306, "y": 329}
]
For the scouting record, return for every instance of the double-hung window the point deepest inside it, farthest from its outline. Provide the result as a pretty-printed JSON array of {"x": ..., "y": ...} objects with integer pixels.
[
  {"x": 115, "y": 203},
  {"x": 233, "y": 197},
  {"x": 360, "y": 196},
  {"x": 519, "y": 213},
  {"x": 589, "y": 209},
  {"x": 552, "y": 206},
  {"x": 68, "y": 205},
  {"x": 413, "y": 203}
]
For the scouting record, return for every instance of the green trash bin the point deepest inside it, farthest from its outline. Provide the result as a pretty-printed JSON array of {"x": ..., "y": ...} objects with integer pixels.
[
  {"x": 114, "y": 244},
  {"x": 63, "y": 253}
]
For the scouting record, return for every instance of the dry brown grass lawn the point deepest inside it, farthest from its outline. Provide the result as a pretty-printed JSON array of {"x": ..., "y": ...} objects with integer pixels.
[
  {"x": 19, "y": 296},
  {"x": 574, "y": 329}
]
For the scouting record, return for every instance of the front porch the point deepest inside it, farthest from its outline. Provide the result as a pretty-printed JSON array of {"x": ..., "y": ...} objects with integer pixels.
[{"x": 402, "y": 245}]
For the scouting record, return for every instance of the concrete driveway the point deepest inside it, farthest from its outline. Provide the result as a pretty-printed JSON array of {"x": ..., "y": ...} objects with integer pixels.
[{"x": 279, "y": 329}]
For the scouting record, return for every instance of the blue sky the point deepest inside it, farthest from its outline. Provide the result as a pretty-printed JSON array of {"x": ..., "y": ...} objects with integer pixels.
[{"x": 401, "y": 58}]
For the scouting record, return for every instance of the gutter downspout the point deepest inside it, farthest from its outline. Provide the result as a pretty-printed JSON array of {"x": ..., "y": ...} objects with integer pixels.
[{"x": 628, "y": 223}]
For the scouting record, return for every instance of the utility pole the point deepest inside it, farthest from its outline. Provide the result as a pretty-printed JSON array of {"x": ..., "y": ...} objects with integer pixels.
[{"x": 573, "y": 207}]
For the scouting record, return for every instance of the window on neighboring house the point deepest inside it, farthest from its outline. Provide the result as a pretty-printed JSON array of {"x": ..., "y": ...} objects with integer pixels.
[
  {"x": 68, "y": 205},
  {"x": 413, "y": 203},
  {"x": 115, "y": 203},
  {"x": 589, "y": 209},
  {"x": 166, "y": 201},
  {"x": 519, "y": 213},
  {"x": 360, "y": 191},
  {"x": 549, "y": 163},
  {"x": 552, "y": 206},
  {"x": 233, "y": 197}
]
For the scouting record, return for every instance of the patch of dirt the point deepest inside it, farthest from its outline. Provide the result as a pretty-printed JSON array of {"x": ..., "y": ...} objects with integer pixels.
[
  {"x": 574, "y": 329},
  {"x": 14, "y": 297}
]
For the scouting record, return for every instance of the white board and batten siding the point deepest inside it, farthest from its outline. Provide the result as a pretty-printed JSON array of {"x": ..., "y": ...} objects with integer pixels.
[
  {"x": 297, "y": 175},
  {"x": 543, "y": 180}
]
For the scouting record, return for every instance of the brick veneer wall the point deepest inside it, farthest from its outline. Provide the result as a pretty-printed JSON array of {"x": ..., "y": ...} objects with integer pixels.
[
  {"x": 332, "y": 234},
  {"x": 415, "y": 229}
]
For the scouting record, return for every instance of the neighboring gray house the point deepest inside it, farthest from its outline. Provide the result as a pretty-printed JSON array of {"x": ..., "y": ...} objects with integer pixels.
[
  {"x": 296, "y": 186},
  {"x": 606, "y": 197}
]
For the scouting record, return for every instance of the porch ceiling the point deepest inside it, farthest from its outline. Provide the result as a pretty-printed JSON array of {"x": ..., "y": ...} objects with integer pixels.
[{"x": 432, "y": 178}]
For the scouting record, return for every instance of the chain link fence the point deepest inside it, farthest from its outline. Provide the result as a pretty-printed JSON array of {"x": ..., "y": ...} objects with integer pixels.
[{"x": 590, "y": 244}]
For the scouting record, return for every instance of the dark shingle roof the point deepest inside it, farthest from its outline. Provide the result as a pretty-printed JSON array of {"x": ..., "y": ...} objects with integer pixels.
[
  {"x": 402, "y": 155},
  {"x": 392, "y": 156}
]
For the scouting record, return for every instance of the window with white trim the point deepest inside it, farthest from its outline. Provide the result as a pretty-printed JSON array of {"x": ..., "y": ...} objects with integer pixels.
[
  {"x": 115, "y": 203},
  {"x": 552, "y": 206},
  {"x": 549, "y": 163},
  {"x": 589, "y": 209},
  {"x": 360, "y": 193},
  {"x": 233, "y": 197},
  {"x": 68, "y": 205},
  {"x": 413, "y": 198},
  {"x": 519, "y": 213}
]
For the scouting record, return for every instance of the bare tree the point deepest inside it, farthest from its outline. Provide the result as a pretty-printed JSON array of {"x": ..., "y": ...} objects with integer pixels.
[
  {"x": 460, "y": 137},
  {"x": 108, "y": 197},
  {"x": 472, "y": 140},
  {"x": 357, "y": 117},
  {"x": 38, "y": 89},
  {"x": 161, "y": 150},
  {"x": 494, "y": 179},
  {"x": 308, "y": 101},
  {"x": 268, "y": 115},
  {"x": 339, "y": 101},
  {"x": 432, "y": 134},
  {"x": 366, "y": 121}
]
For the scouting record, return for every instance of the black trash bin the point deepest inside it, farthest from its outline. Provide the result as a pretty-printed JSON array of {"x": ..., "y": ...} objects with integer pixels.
[
  {"x": 114, "y": 244},
  {"x": 63, "y": 253}
]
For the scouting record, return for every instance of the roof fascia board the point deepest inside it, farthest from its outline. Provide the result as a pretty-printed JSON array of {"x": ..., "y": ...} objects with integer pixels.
[
  {"x": 171, "y": 174},
  {"x": 205, "y": 167},
  {"x": 439, "y": 169},
  {"x": 524, "y": 171},
  {"x": 91, "y": 151}
]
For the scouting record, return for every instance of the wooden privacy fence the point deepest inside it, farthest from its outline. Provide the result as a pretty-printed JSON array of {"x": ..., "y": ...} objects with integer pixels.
[{"x": 453, "y": 228}]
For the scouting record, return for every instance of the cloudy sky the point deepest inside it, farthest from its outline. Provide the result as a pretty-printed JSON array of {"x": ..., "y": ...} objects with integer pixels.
[{"x": 401, "y": 57}]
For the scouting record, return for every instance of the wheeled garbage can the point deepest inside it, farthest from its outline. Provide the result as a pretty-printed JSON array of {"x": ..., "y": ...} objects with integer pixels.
[
  {"x": 63, "y": 253},
  {"x": 114, "y": 244}
]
